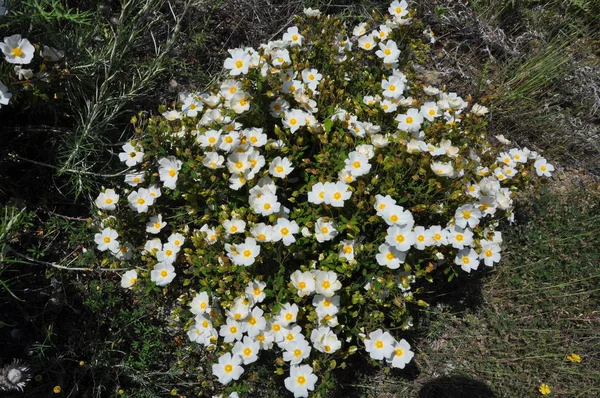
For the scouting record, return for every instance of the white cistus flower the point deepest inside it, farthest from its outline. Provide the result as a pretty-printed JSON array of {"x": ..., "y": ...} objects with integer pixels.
[{"x": 14, "y": 376}]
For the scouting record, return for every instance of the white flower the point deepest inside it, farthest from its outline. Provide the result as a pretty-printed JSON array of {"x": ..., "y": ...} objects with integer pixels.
[
  {"x": 366, "y": 42},
  {"x": 191, "y": 104},
  {"x": 169, "y": 171},
  {"x": 200, "y": 304},
  {"x": 256, "y": 322},
  {"x": 294, "y": 119},
  {"x": 402, "y": 238},
  {"x": 357, "y": 164},
  {"x": 5, "y": 96},
  {"x": 396, "y": 215},
  {"x": 247, "y": 349},
  {"x": 311, "y": 77},
  {"x": 380, "y": 344},
  {"x": 309, "y": 12},
  {"x": 168, "y": 254},
  {"x": 301, "y": 380},
  {"x": 467, "y": 215},
  {"x": 238, "y": 63},
  {"x": 297, "y": 351},
  {"x": 390, "y": 257},
  {"x": 176, "y": 239},
  {"x": 325, "y": 230},
  {"x": 468, "y": 259},
  {"x": 398, "y": 9},
  {"x": 293, "y": 37},
  {"x": 52, "y": 54},
  {"x": 140, "y": 200},
  {"x": 155, "y": 224},
  {"x": 430, "y": 111},
  {"x": 280, "y": 167},
  {"x": 490, "y": 252},
  {"x": 442, "y": 169},
  {"x": 423, "y": 238},
  {"x": 172, "y": 115},
  {"x": 231, "y": 331},
  {"x": 543, "y": 168},
  {"x": 107, "y": 240},
  {"x": 284, "y": 230},
  {"x": 304, "y": 282},
  {"x": 128, "y": 279},
  {"x": 17, "y": 50},
  {"x": 211, "y": 234},
  {"x": 459, "y": 237},
  {"x": 325, "y": 340},
  {"x": 134, "y": 179},
  {"x": 255, "y": 137},
  {"x": 382, "y": 203},
  {"x": 107, "y": 200},
  {"x": 401, "y": 355},
  {"x": 336, "y": 193},
  {"x": 255, "y": 290},
  {"x": 228, "y": 368},
  {"x": 162, "y": 274},
  {"x": 347, "y": 250},
  {"x": 388, "y": 51},
  {"x": 393, "y": 87},
  {"x": 479, "y": 110},
  {"x": 234, "y": 226},
  {"x": 213, "y": 160},
  {"x": 410, "y": 121},
  {"x": 430, "y": 90},
  {"x": 326, "y": 283},
  {"x": 317, "y": 193},
  {"x": 326, "y": 306},
  {"x": 246, "y": 252},
  {"x": 152, "y": 246}
]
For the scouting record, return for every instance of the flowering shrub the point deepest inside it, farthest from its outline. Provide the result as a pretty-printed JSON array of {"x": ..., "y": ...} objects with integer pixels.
[{"x": 302, "y": 203}]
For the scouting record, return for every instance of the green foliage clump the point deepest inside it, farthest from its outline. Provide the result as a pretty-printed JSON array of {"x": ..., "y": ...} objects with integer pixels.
[{"x": 301, "y": 205}]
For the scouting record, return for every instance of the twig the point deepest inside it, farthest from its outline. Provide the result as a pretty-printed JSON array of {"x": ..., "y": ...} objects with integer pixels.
[
  {"x": 33, "y": 260},
  {"x": 71, "y": 170}
]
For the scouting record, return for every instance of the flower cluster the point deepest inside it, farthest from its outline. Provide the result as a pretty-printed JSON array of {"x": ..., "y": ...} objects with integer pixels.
[{"x": 308, "y": 197}]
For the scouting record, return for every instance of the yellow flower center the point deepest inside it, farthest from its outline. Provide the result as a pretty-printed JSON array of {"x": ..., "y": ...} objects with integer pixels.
[
  {"x": 232, "y": 90},
  {"x": 131, "y": 281},
  {"x": 108, "y": 201},
  {"x": 421, "y": 238},
  {"x": 247, "y": 351},
  {"x": 157, "y": 225},
  {"x": 301, "y": 380},
  {"x": 253, "y": 139},
  {"x": 295, "y": 38},
  {"x": 488, "y": 253},
  {"x": 392, "y": 88},
  {"x": 17, "y": 52},
  {"x": 279, "y": 169},
  {"x": 141, "y": 201},
  {"x": 324, "y": 230},
  {"x": 437, "y": 236},
  {"x": 400, "y": 238},
  {"x": 431, "y": 113},
  {"x": 203, "y": 305},
  {"x": 239, "y": 63},
  {"x": 261, "y": 237},
  {"x": 276, "y": 327},
  {"x": 379, "y": 344},
  {"x": 293, "y": 121},
  {"x": 297, "y": 352},
  {"x": 394, "y": 218},
  {"x": 337, "y": 196},
  {"x": 228, "y": 140},
  {"x": 347, "y": 249},
  {"x": 466, "y": 214},
  {"x": 390, "y": 256},
  {"x": 164, "y": 273},
  {"x": 398, "y": 352},
  {"x": 106, "y": 239},
  {"x": 302, "y": 285},
  {"x": 172, "y": 172},
  {"x": 387, "y": 51},
  {"x": 267, "y": 206},
  {"x": 252, "y": 321},
  {"x": 321, "y": 195},
  {"x": 257, "y": 291},
  {"x": 326, "y": 303},
  {"x": 169, "y": 252},
  {"x": 233, "y": 330},
  {"x": 228, "y": 368},
  {"x": 368, "y": 45},
  {"x": 409, "y": 120},
  {"x": 239, "y": 165},
  {"x": 466, "y": 260},
  {"x": 356, "y": 165},
  {"x": 285, "y": 231},
  {"x": 311, "y": 77},
  {"x": 543, "y": 168},
  {"x": 243, "y": 102},
  {"x": 289, "y": 316},
  {"x": 460, "y": 237},
  {"x": 247, "y": 253},
  {"x": 326, "y": 284},
  {"x": 233, "y": 228}
]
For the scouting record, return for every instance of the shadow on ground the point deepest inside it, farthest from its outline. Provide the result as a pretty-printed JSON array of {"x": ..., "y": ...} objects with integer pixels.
[{"x": 455, "y": 387}]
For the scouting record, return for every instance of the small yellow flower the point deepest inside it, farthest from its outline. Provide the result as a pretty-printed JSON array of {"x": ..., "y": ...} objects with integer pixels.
[
  {"x": 57, "y": 389},
  {"x": 544, "y": 389},
  {"x": 121, "y": 392},
  {"x": 174, "y": 391},
  {"x": 574, "y": 358}
]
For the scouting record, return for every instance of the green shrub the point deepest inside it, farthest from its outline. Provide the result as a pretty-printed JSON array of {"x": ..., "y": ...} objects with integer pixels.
[{"x": 309, "y": 197}]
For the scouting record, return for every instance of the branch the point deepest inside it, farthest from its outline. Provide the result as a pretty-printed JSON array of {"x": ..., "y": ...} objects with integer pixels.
[{"x": 54, "y": 265}]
